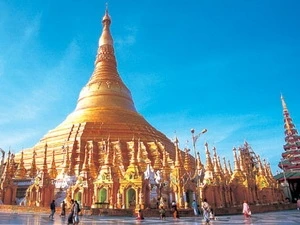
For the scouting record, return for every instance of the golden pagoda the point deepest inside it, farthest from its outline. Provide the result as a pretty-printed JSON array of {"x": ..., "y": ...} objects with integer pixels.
[
  {"x": 105, "y": 154},
  {"x": 103, "y": 135}
]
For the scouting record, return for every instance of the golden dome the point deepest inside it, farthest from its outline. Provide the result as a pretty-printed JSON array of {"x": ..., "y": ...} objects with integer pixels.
[{"x": 105, "y": 109}]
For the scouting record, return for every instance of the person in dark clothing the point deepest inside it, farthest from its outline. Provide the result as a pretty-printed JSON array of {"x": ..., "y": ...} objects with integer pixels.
[
  {"x": 175, "y": 210},
  {"x": 52, "y": 208},
  {"x": 63, "y": 209},
  {"x": 70, "y": 216}
]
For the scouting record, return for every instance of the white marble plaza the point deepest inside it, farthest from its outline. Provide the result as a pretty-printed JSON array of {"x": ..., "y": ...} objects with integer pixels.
[{"x": 290, "y": 217}]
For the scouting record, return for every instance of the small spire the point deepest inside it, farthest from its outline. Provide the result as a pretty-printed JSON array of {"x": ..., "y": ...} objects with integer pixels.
[
  {"x": 187, "y": 163},
  {"x": 45, "y": 157},
  {"x": 283, "y": 102},
  {"x": 177, "y": 160},
  {"x": 236, "y": 161},
  {"x": 209, "y": 165},
  {"x": 33, "y": 169},
  {"x": 106, "y": 37},
  {"x": 53, "y": 171},
  {"x": 21, "y": 171}
]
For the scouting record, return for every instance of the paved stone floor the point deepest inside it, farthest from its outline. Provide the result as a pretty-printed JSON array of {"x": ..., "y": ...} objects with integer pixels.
[{"x": 290, "y": 217}]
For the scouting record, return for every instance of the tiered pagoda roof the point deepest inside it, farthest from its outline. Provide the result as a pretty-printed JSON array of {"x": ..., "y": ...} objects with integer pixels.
[{"x": 290, "y": 162}]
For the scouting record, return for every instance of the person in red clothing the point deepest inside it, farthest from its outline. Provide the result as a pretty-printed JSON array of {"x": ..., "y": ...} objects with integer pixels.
[
  {"x": 246, "y": 209},
  {"x": 140, "y": 215}
]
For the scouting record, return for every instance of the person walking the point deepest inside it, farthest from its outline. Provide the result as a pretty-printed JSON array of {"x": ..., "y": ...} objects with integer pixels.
[
  {"x": 76, "y": 213},
  {"x": 140, "y": 215},
  {"x": 206, "y": 211},
  {"x": 52, "y": 208},
  {"x": 246, "y": 209},
  {"x": 63, "y": 209},
  {"x": 70, "y": 216},
  {"x": 162, "y": 213},
  {"x": 195, "y": 207},
  {"x": 175, "y": 210}
]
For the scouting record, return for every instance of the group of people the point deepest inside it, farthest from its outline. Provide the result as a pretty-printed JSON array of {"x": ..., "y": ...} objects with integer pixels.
[
  {"x": 207, "y": 211},
  {"x": 73, "y": 217}
]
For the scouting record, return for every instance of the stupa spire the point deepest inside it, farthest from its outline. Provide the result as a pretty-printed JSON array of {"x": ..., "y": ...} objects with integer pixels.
[
  {"x": 187, "y": 161},
  {"x": 105, "y": 91},
  {"x": 177, "y": 160},
  {"x": 291, "y": 133},
  {"x": 53, "y": 170},
  {"x": 21, "y": 171},
  {"x": 209, "y": 168},
  {"x": 33, "y": 168},
  {"x": 236, "y": 161},
  {"x": 106, "y": 37}
]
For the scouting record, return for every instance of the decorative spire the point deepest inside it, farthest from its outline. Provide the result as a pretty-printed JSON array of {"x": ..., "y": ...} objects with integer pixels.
[
  {"x": 218, "y": 176},
  {"x": 291, "y": 133},
  {"x": 141, "y": 155},
  {"x": 45, "y": 176},
  {"x": 261, "y": 170},
  {"x": 66, "y": 163},
  {"x": 177, "y": 160},
  {"x": 21, "y": 171},
  {"x": 220, "y": 166},
  {"x": 53, "y": 170},
  {"x": 93, "y": 170},
  {"x": 33, "y": 169},
  {"x": 215, "y": 161},
  {"x": 236, "y": 161},
  {"x": 85, "y": 166},
  {"x": 241, "y": 160},
  {"x": 106, "y": 38},
  {"x": 209, "y": 169},
  {"x": 157, "y": 161},
  {"x": 262, "y": 180},
  {"x": 105, "y": 93},
  {"x": 199, "y": 164},
  {"x": 12, "y": 168},
  {"x": 209, "y": 164},
  {"x": 45, "y": 168},
  {"x": 187, "y": 161},
  {"x": 133, "y": 157},
  {"x": 6, "y": 174}
]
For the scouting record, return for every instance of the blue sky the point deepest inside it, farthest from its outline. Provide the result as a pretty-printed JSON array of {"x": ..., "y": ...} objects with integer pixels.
[{"x": 219, "y": 65}]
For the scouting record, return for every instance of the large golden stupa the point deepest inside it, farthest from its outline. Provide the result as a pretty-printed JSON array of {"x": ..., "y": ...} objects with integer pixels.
[
  {"x": 104, "y": 134},
  {"x": 105, "y": 111}
]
